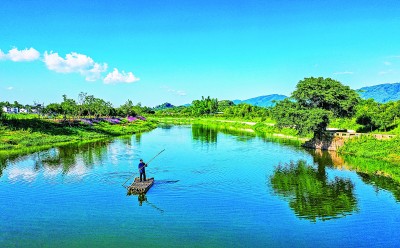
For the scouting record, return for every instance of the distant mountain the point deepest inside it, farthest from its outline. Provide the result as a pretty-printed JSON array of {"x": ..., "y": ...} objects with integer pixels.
[
  {"x": 381, "y": 93},
  {"x": 163, "y": 106},
  {"x": 262, "y": 101}
]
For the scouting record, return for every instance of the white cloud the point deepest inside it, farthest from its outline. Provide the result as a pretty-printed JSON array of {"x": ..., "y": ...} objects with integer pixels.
[
  {"x": 120, "y": 77},
  {"x": 387, "y": 63},
  {"x": 74, "y": 63},
  {"x": 343, "y": 73},
  {"x": 20, "y": 55},
  {"x": 10, "y": 88}
]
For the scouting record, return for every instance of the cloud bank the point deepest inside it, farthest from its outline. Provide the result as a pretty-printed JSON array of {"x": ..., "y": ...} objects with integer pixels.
[
  {"x": 72, "y": 63},
  {"x": 16, "y": 55},
  {"x": 120, "y": 77}
]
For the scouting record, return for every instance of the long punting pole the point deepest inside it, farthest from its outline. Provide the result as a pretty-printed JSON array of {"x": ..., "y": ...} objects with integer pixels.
[{"x": 141, "y": 167}]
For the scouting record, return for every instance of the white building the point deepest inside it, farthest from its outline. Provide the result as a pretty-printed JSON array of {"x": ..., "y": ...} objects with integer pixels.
[{"x": 11, "y": 110}]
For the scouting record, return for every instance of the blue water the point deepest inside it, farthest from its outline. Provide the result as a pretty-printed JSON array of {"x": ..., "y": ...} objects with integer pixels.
[{"x": 212, "y": 189}]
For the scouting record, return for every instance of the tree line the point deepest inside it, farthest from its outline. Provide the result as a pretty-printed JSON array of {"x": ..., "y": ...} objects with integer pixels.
[
  {"x": 314, "y": 104},
  {"x": 87, "y": 106}
]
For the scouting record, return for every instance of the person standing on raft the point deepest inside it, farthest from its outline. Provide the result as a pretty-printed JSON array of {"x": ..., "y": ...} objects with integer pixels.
[{"x": 142, "y": 170}]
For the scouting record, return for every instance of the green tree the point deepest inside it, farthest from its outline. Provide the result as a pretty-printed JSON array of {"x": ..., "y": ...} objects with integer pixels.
[
  {"x": 314, "y": 102},
  {"x": 69, "y": 106},
  {"x": 328, "y": 94},
  {"x": 224, "y": 104},
  {"x": 53, "y": 109},
  {"x": 127, "y": 109},
  {"x": 204, "y": 106}
]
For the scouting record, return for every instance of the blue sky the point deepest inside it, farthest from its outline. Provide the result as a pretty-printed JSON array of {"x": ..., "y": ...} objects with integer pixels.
[{"x": 177, "y": 51}]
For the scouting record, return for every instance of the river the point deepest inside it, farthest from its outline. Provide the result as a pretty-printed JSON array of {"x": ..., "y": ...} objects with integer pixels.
[{"x": 212, "y": 189}]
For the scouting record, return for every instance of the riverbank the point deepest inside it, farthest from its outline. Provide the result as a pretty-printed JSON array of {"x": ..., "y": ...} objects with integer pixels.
[
  {"x": 262, "y": 128},
  {"x": 25, "y": 135},
  {"x": 365, "y": 147},
  {"x": 372, "y": 148}
]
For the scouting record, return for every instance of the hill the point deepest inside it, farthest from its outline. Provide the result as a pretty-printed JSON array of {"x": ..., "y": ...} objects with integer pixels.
[
  {"x": 163, "y": 106},
  {"x": 262, "y": 101},
  {"x": 381, "y": 93}
]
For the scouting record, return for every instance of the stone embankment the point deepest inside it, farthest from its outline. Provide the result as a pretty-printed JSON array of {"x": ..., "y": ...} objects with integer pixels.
[{"x": 331, "y": 141}]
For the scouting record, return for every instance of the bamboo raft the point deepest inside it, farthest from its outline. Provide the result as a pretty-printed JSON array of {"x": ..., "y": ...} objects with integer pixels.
[{"x": 138, "y": 187}]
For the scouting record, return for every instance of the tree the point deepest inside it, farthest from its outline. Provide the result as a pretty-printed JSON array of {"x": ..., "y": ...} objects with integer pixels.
[
  {"x": 326, "y": 94},
  {"x": 366, "y": 113},
  {"x": 53, "y": 109},
  {"x": 222, "y": 105},
  {"x": 69, "y": 106},
  {"x": 126, "y": 108},
  {"x": 314, "y": 102},
  {"x": 304, "y": 120},
  {"x": 204, "y": 106}
]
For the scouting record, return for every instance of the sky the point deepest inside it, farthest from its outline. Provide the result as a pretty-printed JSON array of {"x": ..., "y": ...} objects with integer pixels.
[{"x": 171, "y": 51}]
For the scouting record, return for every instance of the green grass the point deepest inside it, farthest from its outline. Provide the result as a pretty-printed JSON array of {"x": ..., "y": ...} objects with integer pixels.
[
  {"x": 345, "y": 123},
  {"x": 18, "y": 134},
  {"x": 369, "y": 147}
]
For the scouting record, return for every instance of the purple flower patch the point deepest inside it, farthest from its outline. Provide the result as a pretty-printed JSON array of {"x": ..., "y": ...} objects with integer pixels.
[
  {"x": 131, "y": 118},
  {"x": 86, "y": 121},
  {"x": 112, "y": 120}
]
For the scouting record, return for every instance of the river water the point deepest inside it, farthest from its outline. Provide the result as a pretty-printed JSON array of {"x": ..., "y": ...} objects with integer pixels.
[{"x": 212, "y": 189}]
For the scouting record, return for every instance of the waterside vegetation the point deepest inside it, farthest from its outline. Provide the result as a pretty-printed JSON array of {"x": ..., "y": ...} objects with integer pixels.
[
  {"x": 316, "y": 103},
  {"x": 24, "y": 135}
]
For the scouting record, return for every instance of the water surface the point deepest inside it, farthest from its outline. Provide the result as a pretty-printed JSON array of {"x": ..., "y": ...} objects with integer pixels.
[{"x": 212, "y": 189}]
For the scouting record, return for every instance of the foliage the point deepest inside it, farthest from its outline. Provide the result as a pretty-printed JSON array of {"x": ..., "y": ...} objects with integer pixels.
[
  {"x": 68, "y": 107},
  {"x": 304, "y": 120},
  {"x": 377, "y": 116},
  {"x": 224, "y": 104},
  {"x": 346, "y": 123},
  {"x": 314, "y": 102},
  {"x": 204, "y": 106},
  {"x": 327, "y": 94}
]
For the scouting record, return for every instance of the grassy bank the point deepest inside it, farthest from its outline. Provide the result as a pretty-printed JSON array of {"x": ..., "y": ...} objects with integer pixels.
[
  {"x": 20, "y": 135},
  {"x": 369, "y": 147},
  {"x": 264, "y": 128}
]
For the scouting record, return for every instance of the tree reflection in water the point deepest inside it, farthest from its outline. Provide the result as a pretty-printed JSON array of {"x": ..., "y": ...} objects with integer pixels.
[
  {"x": 310, "y": 194},
  {"x": 204, "y": 133},
  {"x": 67, "y": 157}
]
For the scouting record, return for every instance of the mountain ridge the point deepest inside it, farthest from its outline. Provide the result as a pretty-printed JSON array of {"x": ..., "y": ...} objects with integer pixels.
[{"x": 381, "y": 93}]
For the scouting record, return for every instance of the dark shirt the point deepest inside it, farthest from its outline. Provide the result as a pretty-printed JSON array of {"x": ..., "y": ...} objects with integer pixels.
[{"x": 141, "y": 167}]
